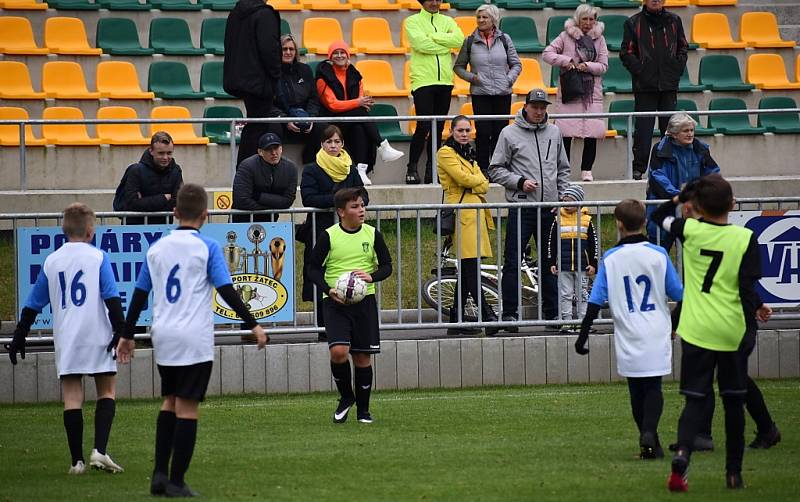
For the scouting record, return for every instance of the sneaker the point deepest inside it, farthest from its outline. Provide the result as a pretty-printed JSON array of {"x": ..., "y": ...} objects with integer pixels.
[
  {"x": 365, "y": 418},
  {"x": 678, "y": 480},
  {"x": 650, "y": 449},
  {"x": 362, "y": 172},
  {"x": 103, "y": 461},
  {"x": 387, "y": 153},
  {"x": 174, "y": 491},
  {"x": 510, "y": 318},
  {"x": 733, "y": 480},
  {"x": 158, "y": 483},
  {"x": 768, "y": 439},
  {"x": 78, "y": 468},
  {"x": 637, "y": 175},
  {"x": 586, "y": 176},
  {"x": 463, "y": 331},
  {"x": 340, "y": 415}
]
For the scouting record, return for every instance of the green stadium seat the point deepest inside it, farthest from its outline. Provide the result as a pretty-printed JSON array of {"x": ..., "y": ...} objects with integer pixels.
[
  {"x": 686, "y": 85},
  {"x": 313, "y": 65},
  {"x": 555, "y": 74},
  {"x": 689, "y": 106},
  {"x": 170, "y": 80},
  {"x": 613, "y": 31},
  {"x": 73, "y": 5},
  {"x": 221, "y": 132},
  {"x": 617, "y": 79},
  {"x": 119, "y": 37},
  {"x": 620, "y": 124},
  {"x": 521, "y": 4},
  {"x": 779, "y": 123},
  {"x": 211, "y": 80},
  {"x": 563, "y": 4},
  {"x": 721, "y": 72},
  {"x": 466, "y": 4},
  {"x": 616, "y": 4},
  {"x": 125, "y": 5},
  {"x": 222, "y": 5},
  {"x": 172, "y": 5},
  {"x": 555, "y": 25},
  {"x": 388, "y": 130},
  {"x": 212, "y": 35},
  {"x": 522, "y": 30},
  {"x": 735, "y": 123},
  {"x": 287, "y": 30},
  {"x": 171, "y": 35}
]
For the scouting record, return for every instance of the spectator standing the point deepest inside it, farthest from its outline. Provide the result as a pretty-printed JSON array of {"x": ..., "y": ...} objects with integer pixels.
[
  {"x": 432, "y": 36},
  {"x": 264, "y": 181},
  {"x": 494, "y": 66},
  {"x": 531, "y": 163},
  {"x": 252, "y": 65},
  {"x": 654, "y": 50},
  {"x": 581, "y": 47}
]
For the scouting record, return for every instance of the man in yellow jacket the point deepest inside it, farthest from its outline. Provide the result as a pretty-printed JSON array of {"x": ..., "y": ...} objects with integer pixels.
[{"x": 431, "y": 36}]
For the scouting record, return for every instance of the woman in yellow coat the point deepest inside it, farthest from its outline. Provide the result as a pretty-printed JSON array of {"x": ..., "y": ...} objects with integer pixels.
[{"x": 462, "y": 180}]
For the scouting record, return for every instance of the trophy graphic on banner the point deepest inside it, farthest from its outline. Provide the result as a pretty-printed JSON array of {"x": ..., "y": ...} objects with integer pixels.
[
  {"x": 235, "y": 256},
  {"x": 256, "y": 234}
]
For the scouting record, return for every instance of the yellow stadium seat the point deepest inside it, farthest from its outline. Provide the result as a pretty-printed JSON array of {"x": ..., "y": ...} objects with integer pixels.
[
  {"x": 515, "y": 108},
  {"x": 118, "y": 80},
  {"x": 9, "y": 134},
  {"x": 16, "y": 36},
  {"x": 713, "y": 3},
  {"x": 66, "y": 35},
  {"x": 460, "y": 86},
  {"x": 15, "y": 82},
  {"x": 376, "y": 5},
  {"x": 711, "y": 31},
  {"x": 766, "y": 71},
  {"x": 676, "y": 3},
  {"x": 319, "y": 32},
  {"x": 120, "y": 134},
  {"x": 378, "y": 79},
  {"x": 403, "y": 38},
  {"x": 286, "y": 5},
  {"x": 66, "y": 134},
  {"x": 412, "y": 125},
  {"x": 468, "y": 24},
  {"x": 64, "y": 80},
  {"x": 328, "y": 5},
  {"x": 182, "y": 134},
  {"x": 760, "y": 29},
  {"x": 22, "y": 5},
  {"x": 407, "y": 75},
  {"x": 797, "y": 68},
  {"x": 372, "y": 36},
  {"x": 531, "y": 78}
]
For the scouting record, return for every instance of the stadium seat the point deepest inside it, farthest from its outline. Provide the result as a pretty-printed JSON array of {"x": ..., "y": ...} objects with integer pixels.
[
  {"x": 119, "y": 37},
  {"x": 555, "y": 74},
  {"x": 710, "y": 30},
  {"x": 65, "y": 80},
  {"x": 388, "y": 130},
  {"x": 617, "y": 79},
  {"x": 620, "y": 124},
  {"x": 22, "y": 5},
  {"x": 120, "y": 134},
  {"x": 320, "y": 32},
  {"x": 285, "y": 28},
  {"x": 412, "y": 125},
  {"x": 766, "y": 71},
  {"x": 530, "y": 78},
  {"x": 676, "y": 3},
  {"x": 460, "y": 86},
  {"x": 522, "y": 30},
  {"x": 686, "y": 85},
  {"x": 376, "y": 5},
  {"x": 468, "y": 24},
  {"x": 403, "y": 38},
  {"x": 689, "y": 106},
  {"x": 407, "y": 75},
  {"x": 171, "y": 35},
  {"x": 125, "y": 5},
  {"x": 66, "y": 134},
  {"x": 464, "y": 4},
  {"x": 211, "y": 80},
  {"x": 563, "y": 4},
  {"x": 372, "y": 35},
  {"x": 619, "y": 4},
  {"x": 797, "y": 68},
  {"x": 172, "y": 5},
  {"x": 170, "y": 80},
  {"x": 721, "y": 72},
  {"x": 521, "y": 4},
  {"x": 713, "y": 3},
  {"x": 212, "y": 35},
  {"x": 220, "y": 5},
  {"x": 734, "y": 123},
  {"x": 555, "y": 25},
  {"x": 73, "y": 5},
  {"x": 613, "y": 30},
  {"x": 182, "y": 133},
  {"x": 313, "y": 65},
  {"x": 118, "y": 80},
  {"x": 334, "y": 5},
  {"x": 779, "y": 123},
  {"x": 378, "y": 79},
  {"x": 66, "y": 35},
  {"x": 760, "y": 29},
  {"x": 220, "y": 132},
  {"x": 16, "y": 37},
  {"x": 9, "y": 134},
  {"x": 15, "y": 82}
]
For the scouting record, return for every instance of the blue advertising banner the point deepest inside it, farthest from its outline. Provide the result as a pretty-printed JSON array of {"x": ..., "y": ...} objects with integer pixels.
[{"x": 260, "y": 258}]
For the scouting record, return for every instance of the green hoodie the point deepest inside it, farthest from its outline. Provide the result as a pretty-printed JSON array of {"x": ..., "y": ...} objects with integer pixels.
[{"x": 432, "y": 36}]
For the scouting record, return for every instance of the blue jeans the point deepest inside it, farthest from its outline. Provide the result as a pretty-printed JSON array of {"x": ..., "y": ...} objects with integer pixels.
[{"x": 529, "y": 227}]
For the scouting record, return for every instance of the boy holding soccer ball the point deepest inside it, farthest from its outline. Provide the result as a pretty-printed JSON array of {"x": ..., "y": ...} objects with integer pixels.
[{"x": 351, "y": 246}]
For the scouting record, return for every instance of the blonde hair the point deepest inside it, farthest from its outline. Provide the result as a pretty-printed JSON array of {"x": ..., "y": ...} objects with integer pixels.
[
  {"x": 585, "y": 9},
  {"x": 492, "y": 11},
  {"x": 78, "y": 217}
]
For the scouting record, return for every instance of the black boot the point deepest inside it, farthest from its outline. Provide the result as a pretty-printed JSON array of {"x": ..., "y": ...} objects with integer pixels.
[
  {"x": 489, "y": 315},
  {"x": 412, "y": 176},
  {"x": 428, "y": 179}
]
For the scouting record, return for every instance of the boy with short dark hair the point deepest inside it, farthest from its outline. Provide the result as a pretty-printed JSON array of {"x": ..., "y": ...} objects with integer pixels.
[
  {"x": 182, "y": 269},
  {"x": 78, "y": 282},
  {"x": 351, "y": 246},
  {"x": 717, "y": 322},
  {"x": 635, "y": 278}
]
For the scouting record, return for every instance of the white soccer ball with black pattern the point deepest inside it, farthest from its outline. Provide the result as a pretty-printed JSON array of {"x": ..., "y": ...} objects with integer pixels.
[{"x": 351, "y": 288}]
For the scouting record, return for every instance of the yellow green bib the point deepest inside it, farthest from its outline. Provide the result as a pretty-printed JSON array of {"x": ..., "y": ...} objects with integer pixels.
[{"x": 351, "y": 251}]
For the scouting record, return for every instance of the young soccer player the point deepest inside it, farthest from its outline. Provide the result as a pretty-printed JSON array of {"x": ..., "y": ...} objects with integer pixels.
[
  {"x": 182, "y": 269},
  {"x": 717, "y": 321},
  {"x": 351, "y": 246},
  {"x": 77, "y": 281},
  {"x": 635, "y": 278}
]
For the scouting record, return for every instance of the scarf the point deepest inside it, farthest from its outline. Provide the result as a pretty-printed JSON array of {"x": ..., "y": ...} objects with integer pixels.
[
  {"x": 464, "y": 151},
  {"x": 338, "y": 168},
  {"x": 586, "y": 52}
]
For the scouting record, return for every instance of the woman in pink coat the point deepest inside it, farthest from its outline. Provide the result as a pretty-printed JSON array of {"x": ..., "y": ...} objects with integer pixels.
[{"x": 581, "y": 46}]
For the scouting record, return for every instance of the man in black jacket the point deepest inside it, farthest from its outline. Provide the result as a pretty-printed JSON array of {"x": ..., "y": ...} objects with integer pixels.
[
  {"x": 264, "y": 181},
  {"x": 654, "y": 50},
  {"x": 252, "y": 64}
]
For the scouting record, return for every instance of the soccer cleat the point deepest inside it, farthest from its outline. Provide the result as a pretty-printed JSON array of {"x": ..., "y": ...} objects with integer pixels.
[
  {"x": 733, "y": 480},
  {"x": 104, "y": 462},
  {"x": 678, "y": 480},
  {"x": 340, "y": 415},
  {"x": 510, "y": 318},
  {"x": 387, "y": 153},
  {"x": 702, "y": 442},
  {"x": 158, "y": 483},
  {"x": 768, "y": 439},
  {"x": 78, "y": 468},
  {"x": 365, "y": 418},
  {"x": 174, "y": 491},
  {"x": 362, "y": 172}
]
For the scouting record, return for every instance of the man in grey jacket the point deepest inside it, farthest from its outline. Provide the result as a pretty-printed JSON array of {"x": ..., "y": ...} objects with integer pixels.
[{"x": 530, "y": 162}]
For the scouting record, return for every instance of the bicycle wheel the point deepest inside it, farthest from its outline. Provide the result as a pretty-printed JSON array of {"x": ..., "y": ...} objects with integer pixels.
[{"x": 447, "y": 285}]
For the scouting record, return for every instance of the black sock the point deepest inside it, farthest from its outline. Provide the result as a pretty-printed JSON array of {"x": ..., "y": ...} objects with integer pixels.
[
  {"x": 185, "y": 437},
  {"x": 653, "y": 407},
  {"x": 734, "y": 432},
  {"x": 165, "y": 434},
  {"x": 754, "y": 401},
  {"x": 363, "y": 379},
  {"x": 73, "y": 424},
  {"x": 341, "y": 375},
  {"x": 689, "y": 423},
  {"x": 103, "y": 418}
]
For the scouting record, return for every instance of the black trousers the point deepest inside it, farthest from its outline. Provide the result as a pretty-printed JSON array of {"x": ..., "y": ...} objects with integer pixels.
[
  {"x": 428, "y": 100},
  {"x": 487, "y": 131},
  {"x": 468, "y": 287},
  {"x": 647, "y": 402},
  {"x": 310, "y": 140},
  {"x": 589, "y": 152},
  {"x": 361, "y": 139},
  {"x": 643, "y": 131},
  {"x": 256, "y": 107}
]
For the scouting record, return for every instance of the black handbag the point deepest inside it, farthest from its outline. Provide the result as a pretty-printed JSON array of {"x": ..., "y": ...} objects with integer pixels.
[
  {"x": 447, "y": 225},
  {"x": 570, "y": 83}
]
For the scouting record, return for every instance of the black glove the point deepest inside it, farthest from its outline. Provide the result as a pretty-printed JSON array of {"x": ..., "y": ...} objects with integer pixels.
[
  {"x": 113, "y": 345},
  {"x": 17, "y": 345},
  {"x": 688, "y": 191},
  {"x": 580, "y": 344}
]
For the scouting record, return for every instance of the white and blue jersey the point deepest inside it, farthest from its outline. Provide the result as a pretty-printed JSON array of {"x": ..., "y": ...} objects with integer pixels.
[
  {"x": 182, "y": 269},
  {"x": 635, "y": 279},
  {"x": 75, "y": 280}
]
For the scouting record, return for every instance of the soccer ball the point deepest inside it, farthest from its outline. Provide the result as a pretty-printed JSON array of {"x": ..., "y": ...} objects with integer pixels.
[{"x": 351, "y": 288}]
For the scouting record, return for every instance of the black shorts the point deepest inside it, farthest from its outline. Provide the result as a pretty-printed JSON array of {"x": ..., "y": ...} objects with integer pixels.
[
  {"x": 697, "y": 369},
  {"x": 354, "y": 325},
  {"x": 187, "y": 382}
]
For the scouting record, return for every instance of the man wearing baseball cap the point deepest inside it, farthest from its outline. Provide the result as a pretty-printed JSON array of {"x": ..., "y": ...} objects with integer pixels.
[
  {"x": 264, "y": 181},
  {"x": 530, "y": 162}
]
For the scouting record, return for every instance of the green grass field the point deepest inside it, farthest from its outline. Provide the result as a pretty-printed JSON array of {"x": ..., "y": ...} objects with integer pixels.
[{"x": 512, "y": 443}]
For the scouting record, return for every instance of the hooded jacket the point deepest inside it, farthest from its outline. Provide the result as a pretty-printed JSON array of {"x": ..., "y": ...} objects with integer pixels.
[
  {"x": 252, "y": 50},
  {"x": 497, "y": 69},
  {"x": 534, "y": 152},
  {"x": 578, "y": 238},
  {"x": 654, "y": 50},
  {"x": 431, "y": 37},
  {"x": 146, "y": 185}
]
